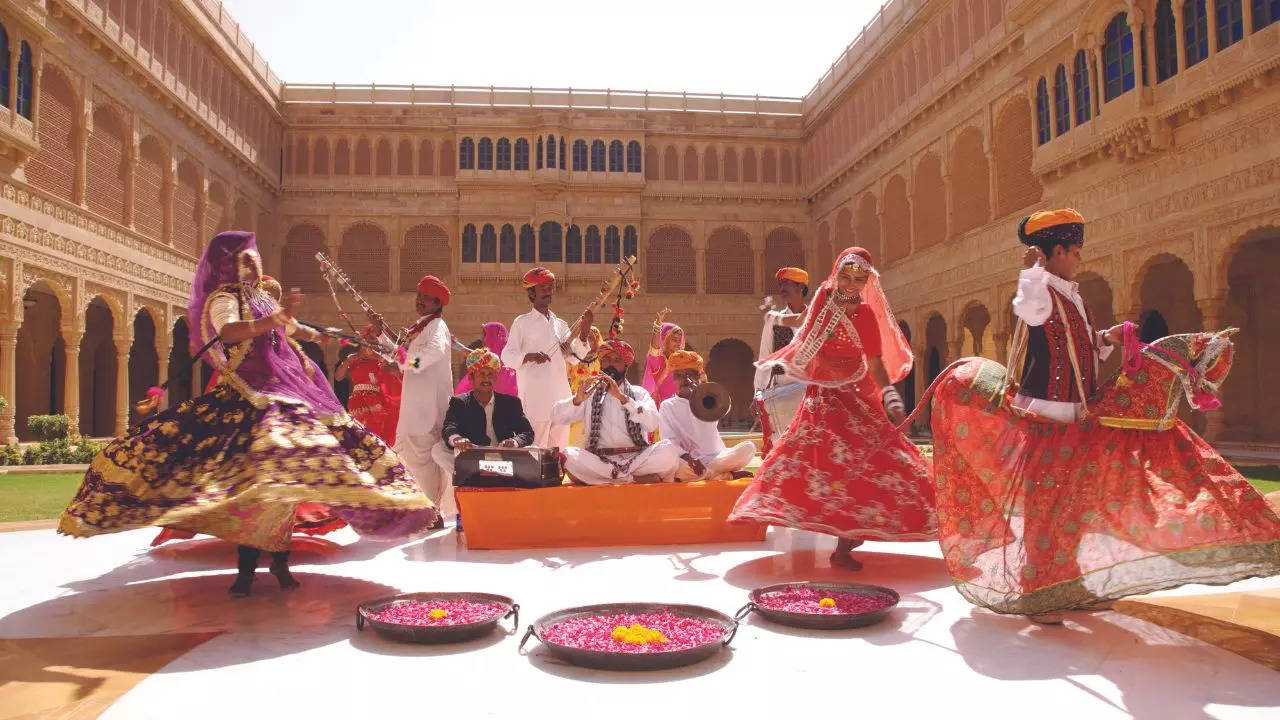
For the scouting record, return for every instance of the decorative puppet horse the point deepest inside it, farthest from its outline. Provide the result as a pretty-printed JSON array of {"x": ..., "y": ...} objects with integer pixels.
[{"x": 1036, "y": 517}]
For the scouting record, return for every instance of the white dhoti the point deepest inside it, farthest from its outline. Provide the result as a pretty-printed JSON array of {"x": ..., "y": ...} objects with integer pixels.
[
  {"x": 419, "y": 455},
  {"x": 661, "y": 459},
  {"x": 728, "y": 461},
  {"x": 548, "y": 434},
  {"x": 428, "y": 380}
]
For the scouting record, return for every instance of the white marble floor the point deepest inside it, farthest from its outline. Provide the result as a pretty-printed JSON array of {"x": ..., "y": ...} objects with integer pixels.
[{"x": 298, "y": 654}]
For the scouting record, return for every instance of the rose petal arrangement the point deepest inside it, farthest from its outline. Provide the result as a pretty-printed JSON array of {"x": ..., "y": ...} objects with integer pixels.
[
  {"x": 641, "y": 633},
  {"x": 439, "y": 613},
  {"x": 824, "y": 602}
]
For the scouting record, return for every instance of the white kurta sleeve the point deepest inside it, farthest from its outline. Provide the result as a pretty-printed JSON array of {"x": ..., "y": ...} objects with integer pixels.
[
  {"x": 430, "y": 347},
  {"x": 1104, "y": 348},
  {"x": 642, "y": 410},
  {"x": 579, "y": 349},
  {"x": 513, "y": 354},
  {"x": 1033, "y": 304},
  {"x": 766, "y": 338},
  {"x": 223, "y": 309},
  {"x": 565, "y": 412}
]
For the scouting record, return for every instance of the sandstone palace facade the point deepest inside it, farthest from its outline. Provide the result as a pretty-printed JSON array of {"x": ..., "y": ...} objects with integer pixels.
[{"x": 132, "y": 130}]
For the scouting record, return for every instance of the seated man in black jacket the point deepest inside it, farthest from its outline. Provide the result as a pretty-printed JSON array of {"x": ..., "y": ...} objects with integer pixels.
[{"x": 482, "y": 417}]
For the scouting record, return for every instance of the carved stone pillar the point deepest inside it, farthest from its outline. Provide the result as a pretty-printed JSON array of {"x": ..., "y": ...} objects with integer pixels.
[
  {"x": 130, "y": 185},
  {"x": 1179, "y": 34},
  {"x": 1211, "y": 13},
  {"x": 954, "y": 349},
  {"x": 394, "y": 245},
  {"x": 81, "y": 135},
  {"x": 71, "y": 338},
  {"x": 8, "y": 382},
  {"x": 14, "y": 50},
  {"x": 1247, "y": 16},
  {"x": 122, "y": 384},
  {"x": 1211, "y": 310},
  {"x": 163, "y": 347},
  {"x": 1095, "y": 54}
]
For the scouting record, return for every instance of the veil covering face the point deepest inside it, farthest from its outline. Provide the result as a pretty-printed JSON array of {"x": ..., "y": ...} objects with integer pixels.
[{"x": 844, "y": 362}]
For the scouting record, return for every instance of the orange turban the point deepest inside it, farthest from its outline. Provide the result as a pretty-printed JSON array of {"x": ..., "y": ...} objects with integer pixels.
[
  {"x": 435, "y": 287},
  {"x": 685, "y": 360},
  {"x": 1048, "y": 228},
  {"x": 620, "y": 348},
  {"x": 794, "y": 274},
  {"x": 538, "y": 276}
]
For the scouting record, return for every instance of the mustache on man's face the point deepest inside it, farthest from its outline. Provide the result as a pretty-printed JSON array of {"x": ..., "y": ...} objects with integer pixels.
[{"x": 614, "y": 373}]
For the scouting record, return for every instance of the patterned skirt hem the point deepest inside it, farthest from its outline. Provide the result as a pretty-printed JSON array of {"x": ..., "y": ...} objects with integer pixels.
[
  {"x": 846, "y": 534},
  {"x": 1260, "y": 560}
]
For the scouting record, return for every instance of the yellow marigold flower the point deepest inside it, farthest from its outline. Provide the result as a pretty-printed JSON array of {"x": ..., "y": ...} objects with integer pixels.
[
  {"x": 438, "y": 613},
  {"x": 826, "y": 603}
]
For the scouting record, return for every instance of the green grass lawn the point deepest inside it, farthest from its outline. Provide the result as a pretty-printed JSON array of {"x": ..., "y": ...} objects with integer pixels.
[{"x": 43, "y": 496}]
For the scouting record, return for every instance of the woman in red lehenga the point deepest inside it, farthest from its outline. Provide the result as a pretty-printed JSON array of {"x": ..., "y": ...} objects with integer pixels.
[
  {"x": 842, "y": 468},
  {"x": 375, "y": 391}
]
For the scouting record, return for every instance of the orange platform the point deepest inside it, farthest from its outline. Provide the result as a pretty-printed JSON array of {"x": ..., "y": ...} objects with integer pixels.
[{"x": 598, "y": 516}]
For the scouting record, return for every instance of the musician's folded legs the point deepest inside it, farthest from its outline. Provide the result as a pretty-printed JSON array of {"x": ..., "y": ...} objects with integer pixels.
[{"x": 730, "y": 461}]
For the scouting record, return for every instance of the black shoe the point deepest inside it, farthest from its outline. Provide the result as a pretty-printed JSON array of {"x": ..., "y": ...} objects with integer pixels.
[{"x": 240, "y": 588}]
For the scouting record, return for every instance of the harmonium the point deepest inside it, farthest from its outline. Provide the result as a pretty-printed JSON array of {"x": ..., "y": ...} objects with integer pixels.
[{"x": 502, "y": 467}]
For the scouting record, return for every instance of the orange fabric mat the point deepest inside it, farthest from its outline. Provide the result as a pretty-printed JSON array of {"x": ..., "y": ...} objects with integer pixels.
[{"x": 598, "y": 516}]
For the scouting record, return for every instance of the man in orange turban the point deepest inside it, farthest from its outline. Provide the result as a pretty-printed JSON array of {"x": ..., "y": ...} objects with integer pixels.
[
  {"x": 777, "y": 395},
  {"x": 540, "y": 350},
  {"x": 703, "y": 455},
  {"x": 618, "y": 418}
]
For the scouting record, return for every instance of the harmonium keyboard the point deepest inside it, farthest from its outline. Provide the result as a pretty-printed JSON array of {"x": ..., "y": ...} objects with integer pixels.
[{"x": 490, "y": 467}]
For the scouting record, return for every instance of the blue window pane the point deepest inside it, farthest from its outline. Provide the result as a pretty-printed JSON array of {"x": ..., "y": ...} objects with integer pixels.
[
  {"x": 580, "y": 156},
  {"x": 469, "y": 244},
  {"x": 612, "y": 246},
  {"x": 593, "y": 245},
  {"x": 634, "y": 155},
  {"x": 507, "y": 245},
  {"x": 630, "y": 242},
  {"x": 528, "y": 244},
  {"x": 549, "y": 242},
  {"x": 615, "y": 156},
  {"x": 522, "y": 154},
  {"x": 573, "y": 245}
]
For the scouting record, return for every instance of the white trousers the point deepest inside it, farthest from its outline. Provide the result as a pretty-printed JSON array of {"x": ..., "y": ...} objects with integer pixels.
[
  {"x": 418, "y": 454},
  {"x": 661, "y": 459},
  {"x": 547, "y": 434},
  {"x": 731, "y": 460}
]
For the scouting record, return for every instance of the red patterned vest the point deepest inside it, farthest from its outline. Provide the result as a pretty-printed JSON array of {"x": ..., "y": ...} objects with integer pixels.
[{"x": 1047, "y": 373}]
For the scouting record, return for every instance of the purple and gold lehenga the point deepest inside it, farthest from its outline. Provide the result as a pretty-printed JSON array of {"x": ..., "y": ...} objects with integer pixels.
[{"x": 237, "y": 461}]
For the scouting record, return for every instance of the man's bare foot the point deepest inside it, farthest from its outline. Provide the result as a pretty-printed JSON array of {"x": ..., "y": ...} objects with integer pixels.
[
  {"x": 740, "y": 474},
  {"x": 844, "y": 560},
  {"x": 647, "y": 479},
  {"x": 240, "y": 588},
  {"x": 284, "y": 577}
]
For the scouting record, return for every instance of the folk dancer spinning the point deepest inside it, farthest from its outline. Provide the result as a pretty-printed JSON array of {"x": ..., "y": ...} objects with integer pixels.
[
  {"x": 618, "y": 418},
  {"x": 1058, "y": 505},
  {"x": 780, "y": 326},
  {"x": 703, "y": 453},
  {"x": 842, "y": 468},
  {"x": 540, "y": 349},
  {"x": 427, "y": 368},
  {"x": 236, "y": 462}
]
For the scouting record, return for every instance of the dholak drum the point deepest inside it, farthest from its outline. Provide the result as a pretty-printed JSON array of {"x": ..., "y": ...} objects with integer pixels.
[
  {"x": 491, "y": 467},
  {"x": 778, "y": 407}
]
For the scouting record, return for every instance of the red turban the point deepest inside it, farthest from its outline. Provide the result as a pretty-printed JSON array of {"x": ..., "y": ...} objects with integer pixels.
[
  {"x": 435, "y": 287},
  {"x": 620, "y": 348},
  {"x": 538, "y": 276}
]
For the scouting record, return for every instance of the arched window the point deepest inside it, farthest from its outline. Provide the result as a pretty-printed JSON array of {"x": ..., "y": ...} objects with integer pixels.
[
  {"x": 522, "y": 154},
  {"x": 1117, "y": 58},
  {"x": 573, "y": 245},
  {"x": 23, "y": 101},
  {"x": 634, "y": 153},
  {"x": 615, "y": 156},
  {"x": 1042, "y": 112},
  {"x": 1061, "y": 101},
  {"x": 593, "y": 244},
  {"x": 1195, "y": 31},
  {"x": 562, "y": 151},
  {"x": 1265, "y": 12},
  {"x": 467, "y": 154},
  {"x": 1230, "y": 22},
  {"x": 507, "y": 245},
  {"x": 612, "y": 246},
  {"x": 630, "y": 241},
  {"x": 528, "y": 244},
  {"x": 1166, "y": 42},
  {"x": 488, "y": 245},
  {"x": 597, "y": 156},
  {"x": 4, "y": 67},
  {"x": 504, "y": 154},
  {"x": 538, "y": 155},
  {"x": 551, "y": 151},
  {"x": 485, "y": 160},
  {"x": 579, "y": 155},
  {"x": 1080, "y": 78},
  {"x": 469, "y": 244},
  {"x": 549, "y": 242}
]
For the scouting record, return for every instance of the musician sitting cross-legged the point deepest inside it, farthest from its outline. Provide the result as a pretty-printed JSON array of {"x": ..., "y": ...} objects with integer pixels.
[
  {"x": 703, "y": 454},
  {"x": 482, "y": 417},
  {"x": 617, "y": 418}
]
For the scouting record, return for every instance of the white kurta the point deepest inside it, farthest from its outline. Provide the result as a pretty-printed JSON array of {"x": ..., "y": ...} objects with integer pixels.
[
  {"x": 661, "y": 459},
  {"x": 701, "y": 440},
  {"x": 542, "y": 385},
  {"x": 428, "y": 383},
  {"x": 1033, "y": 305}
]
